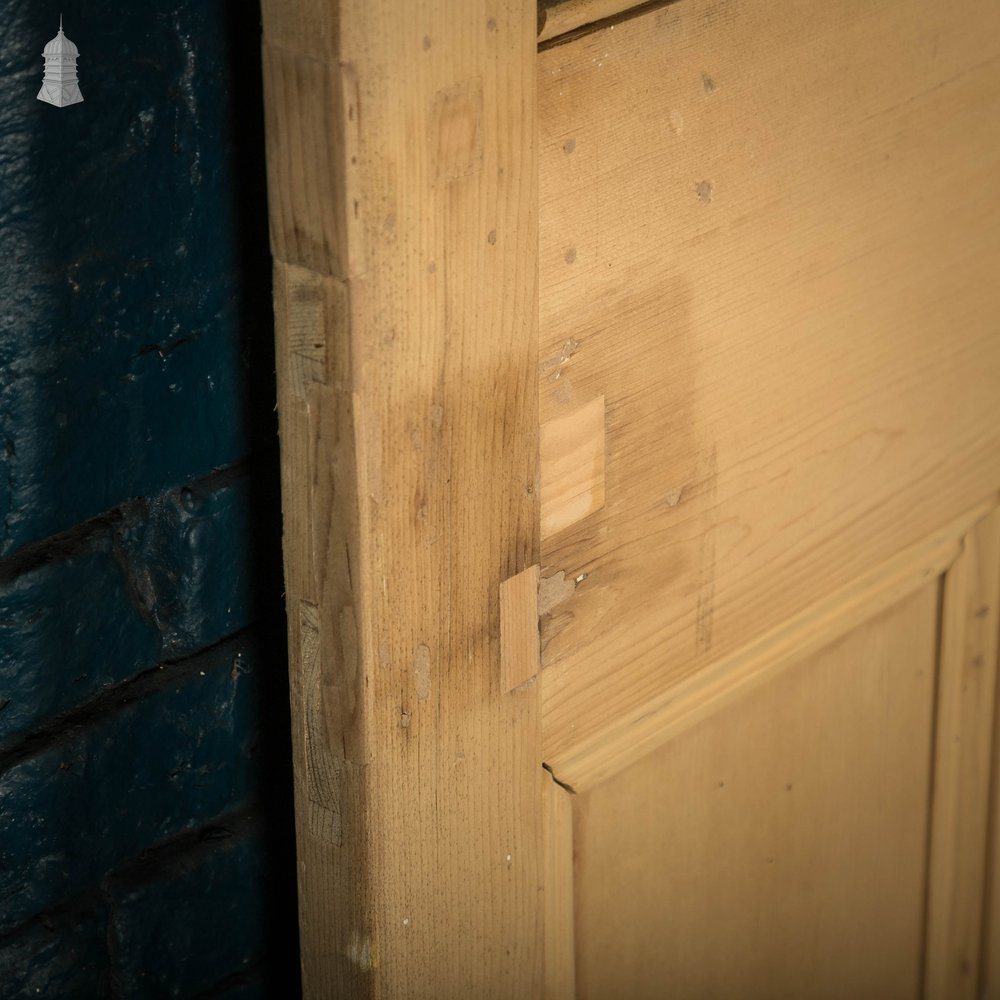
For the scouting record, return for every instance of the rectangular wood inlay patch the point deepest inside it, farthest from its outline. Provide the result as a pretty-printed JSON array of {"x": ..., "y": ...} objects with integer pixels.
[
  {"x": 572, "y": 466},
  {"x": 519, "y": 649}
]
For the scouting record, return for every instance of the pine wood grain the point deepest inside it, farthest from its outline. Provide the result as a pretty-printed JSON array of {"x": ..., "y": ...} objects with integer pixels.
[
  {"x": 571, "y": 457},
  {"x": 963, "y": 763},
  {"x": 560, "y": 947},
  {"x": 666, "y": 715},
  {"x": 773, "y": 232},
  {"x": 989, "y": 965},
  {"x": 402, "y": 188},
  {"x": 519, "y": 648},
  {"x": 778, "y": 848}
]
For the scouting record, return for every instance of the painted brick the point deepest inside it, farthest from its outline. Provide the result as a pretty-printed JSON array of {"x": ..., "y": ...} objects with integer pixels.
[
  {"x": 62, "y": 956},
  {"x": 135, "y": 328},
  {"x": 71, "y": 813},
  {"x": 177, "y": 936},
  {"x": 67, "y": 629},
  {"x": 159, "y": 581},
  {"x": 189, "y": 563},
  {"x": 126, "y": 316},
  {"x": 251, "y": 989}
]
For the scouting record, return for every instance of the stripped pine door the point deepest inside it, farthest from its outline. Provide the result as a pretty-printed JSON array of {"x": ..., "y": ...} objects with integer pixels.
[{"x": 639, "y": 385}]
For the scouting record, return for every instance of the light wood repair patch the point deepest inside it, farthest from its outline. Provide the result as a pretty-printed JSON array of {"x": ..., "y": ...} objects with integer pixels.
[
  {"x": 572, "y": 466},
  {"x": 519, "y": 650}
]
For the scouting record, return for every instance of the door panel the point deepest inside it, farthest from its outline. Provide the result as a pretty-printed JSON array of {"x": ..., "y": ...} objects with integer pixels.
[
  {"x": 640, "y": 428},
  {"x": 762, "y": 854},
  {"x": 769, "y": 236},
  {"x": 769, "y": 379},
  {"x": 964, "y": 757},
  {"x": 822, "y": 833}
]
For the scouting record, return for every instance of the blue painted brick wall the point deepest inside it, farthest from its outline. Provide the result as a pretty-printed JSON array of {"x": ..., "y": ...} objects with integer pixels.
[
  {"x": 155, "y": 927},
  {"x": 146, "y": 847},
  {"x": 212, "y": 889},
  {"x": 159, "y": 579},
  {"x": 122, "y": 368},
  {"x": 134, "y": 774},
  {"x": 62, "y": 954}
]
